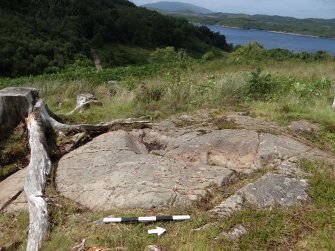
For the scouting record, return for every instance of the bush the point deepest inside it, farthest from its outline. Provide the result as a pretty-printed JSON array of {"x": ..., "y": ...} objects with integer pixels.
[
  {"x": 167, "y": 54},
  {"x": 208, "y": 55},
  {"x": 252, "y": 51},
  {"x": 260, "y": 85},
  {"x": 146, "y": 94}
]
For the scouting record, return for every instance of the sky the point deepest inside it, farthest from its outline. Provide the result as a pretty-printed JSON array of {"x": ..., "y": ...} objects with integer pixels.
[{"x": 292, "y": 8}]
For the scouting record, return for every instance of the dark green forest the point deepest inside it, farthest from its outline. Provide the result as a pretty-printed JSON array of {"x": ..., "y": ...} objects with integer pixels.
[{"x": 39, "y": 36}]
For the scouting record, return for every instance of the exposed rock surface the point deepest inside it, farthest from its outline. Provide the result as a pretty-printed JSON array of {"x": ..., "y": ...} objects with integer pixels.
[
  {"x": 269, "y": 190},
  {"x": 15, "y": 103},
  {"x": 174, "y": 163},
  {"x": 111, "y": 172},
  {"x": 235, "y": 149},
  {"x": 147, "y": 168},
  {"x": 234, "y": 234},
  {"x": 10, "y": 189},
  {"x": 303, "y": 126},
  {"x": 274, "y": 189},
  {"x": 229, "y": 206}
]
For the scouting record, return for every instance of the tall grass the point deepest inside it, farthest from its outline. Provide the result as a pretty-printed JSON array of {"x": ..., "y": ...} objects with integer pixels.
[{"x": 281, "y": 90}]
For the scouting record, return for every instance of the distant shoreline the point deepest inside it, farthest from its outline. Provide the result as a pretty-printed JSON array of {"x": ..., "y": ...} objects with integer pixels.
[{"x": 280, "y": 32}]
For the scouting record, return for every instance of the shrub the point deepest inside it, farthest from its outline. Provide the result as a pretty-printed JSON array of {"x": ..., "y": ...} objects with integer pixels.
[
  {"x": 260, "y": 85},
  {"x": 167, "y": 54},
  {"x": 146, "y": 94},
  {"x": 252, "y": 51},
  {"x": 208, "y": 55}
]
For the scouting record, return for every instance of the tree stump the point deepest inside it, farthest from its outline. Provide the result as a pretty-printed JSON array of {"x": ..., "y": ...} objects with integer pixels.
[
  {"x": 84, "y": 101},
  {"x": 15, "y": 104}
]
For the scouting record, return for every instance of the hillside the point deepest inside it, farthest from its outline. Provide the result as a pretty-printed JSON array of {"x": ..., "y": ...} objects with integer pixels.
[
  {"x": 47, "y": 36},
  {"x": 310, "y": 26},
  {"x": 176, "y": 7}
]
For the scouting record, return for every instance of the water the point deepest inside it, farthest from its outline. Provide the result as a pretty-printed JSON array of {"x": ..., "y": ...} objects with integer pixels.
[{"x": 271, "y": 40}]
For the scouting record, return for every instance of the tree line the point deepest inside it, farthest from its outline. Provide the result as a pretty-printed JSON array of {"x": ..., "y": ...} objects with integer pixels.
[{"x": 39, "y": 36}]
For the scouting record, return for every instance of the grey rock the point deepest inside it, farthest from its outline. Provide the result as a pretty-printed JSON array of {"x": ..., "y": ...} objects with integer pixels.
[
  {"x": 232, "y": 204},
  {"x": 151, "y": 168},
  {"x": 239, "y": 149},
  {"x": 273, "y": 149},
  {"x": 250, "y": 123},
  {"x": 303, "y": 126},
  {"x": 273, "y": 189},
  {"x": 234, "y": 234},
  {"x": 290, "y": 169},
  {"x": 111, "y": 172},
  {"x": 204, "y": 227},
  {"x": 15, "y": 104},
  {"x": 18, "y": 204},
  {"x": 11, "y": 188},
  {"x": 235, "y": 149}
]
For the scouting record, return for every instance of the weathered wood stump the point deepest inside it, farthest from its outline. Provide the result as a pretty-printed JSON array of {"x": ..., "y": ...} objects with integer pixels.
[
  {"x": 15, "y": 104},
  {"x": 84, "y": 101}
]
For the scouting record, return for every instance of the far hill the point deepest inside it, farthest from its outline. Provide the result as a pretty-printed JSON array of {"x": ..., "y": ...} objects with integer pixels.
[
  {"x": 176, "y": 7},
  {"x": 47, "y": 36},
  {"x": 308, "y": 26}
]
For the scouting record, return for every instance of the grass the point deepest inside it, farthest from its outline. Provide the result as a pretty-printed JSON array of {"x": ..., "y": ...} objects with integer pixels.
[
  {"x": 14, "y": 152},
  {"x": 286, "y": 91}
]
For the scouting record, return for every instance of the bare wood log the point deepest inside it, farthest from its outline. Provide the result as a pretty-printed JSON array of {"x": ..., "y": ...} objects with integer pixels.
[
  {"x": 83, "y": 106},
  {"x": 35, "y": 182},
  {"x": 57, "y": 126},
  {"x": 85, "y": 100}
]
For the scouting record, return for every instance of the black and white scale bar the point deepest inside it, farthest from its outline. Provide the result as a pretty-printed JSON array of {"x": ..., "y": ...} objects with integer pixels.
[{"x": 146, "y": 219}]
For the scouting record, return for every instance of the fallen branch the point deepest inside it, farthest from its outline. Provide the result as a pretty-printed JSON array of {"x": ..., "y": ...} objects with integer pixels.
[
  {"x": 83, "y": 106},
  {"x": 57, "y": 126},
  {"x": 35, "y": 182}
]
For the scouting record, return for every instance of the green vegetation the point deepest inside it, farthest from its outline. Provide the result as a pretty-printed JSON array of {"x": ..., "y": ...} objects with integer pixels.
[
  {"x": 14, "y": 152},
  {"x": 48, "y": 36},
  {"x": 310, "y": 26},
  {"x": 276, "y": 84}
]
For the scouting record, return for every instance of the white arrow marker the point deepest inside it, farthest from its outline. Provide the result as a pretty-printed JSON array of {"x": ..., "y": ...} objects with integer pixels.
[{"x": 159, "y": 231}]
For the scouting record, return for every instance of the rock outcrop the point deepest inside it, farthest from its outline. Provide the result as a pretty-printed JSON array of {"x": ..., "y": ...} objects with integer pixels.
[
  {"x": 115, "y": 171},
  {"x": 175, "y": 162},
  {"x": 171, "y": 166},
  {"x": 269, "y": 190}
]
